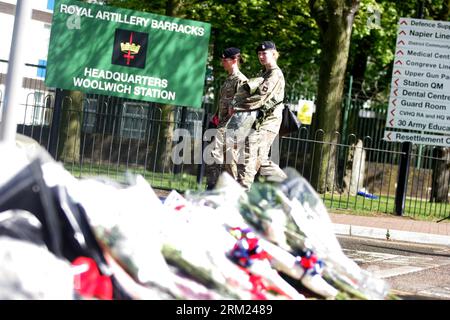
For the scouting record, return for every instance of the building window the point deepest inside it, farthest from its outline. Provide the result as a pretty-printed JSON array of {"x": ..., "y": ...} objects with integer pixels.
[
  {"x": 50, "y": 4},
  {"x": 41, "y": 113},
  {"x": 89, "y": 115},
  {"x": 134, "y": 120},
  {"x": 2, "y": 88},
  {"x": 42, "y": 68}
]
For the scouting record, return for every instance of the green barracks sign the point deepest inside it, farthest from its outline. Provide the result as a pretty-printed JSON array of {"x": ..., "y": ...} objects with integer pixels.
[{"x": 126, "y": 53}]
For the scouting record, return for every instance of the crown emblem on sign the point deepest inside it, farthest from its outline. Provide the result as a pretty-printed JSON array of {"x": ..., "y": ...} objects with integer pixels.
[{"x": 133, "y": 48}]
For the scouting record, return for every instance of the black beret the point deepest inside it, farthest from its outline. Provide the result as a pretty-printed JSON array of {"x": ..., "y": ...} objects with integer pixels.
[
  {"x": 230, "y": 52},
  {"x": 265, "y": 45}
]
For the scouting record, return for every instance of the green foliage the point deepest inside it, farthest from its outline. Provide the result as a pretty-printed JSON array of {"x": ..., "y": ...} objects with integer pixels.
[
  {"x": 244, "y": 24},
  {"x": 290, "y": 25},
  {"x": 155, "y": 6},
  {"x": 416, "y": 208},
  {"x": 378, "y": 41}
]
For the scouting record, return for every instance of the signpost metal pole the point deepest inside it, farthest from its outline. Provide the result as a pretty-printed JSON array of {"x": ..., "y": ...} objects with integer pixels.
[
  {"x": 402, "y": 178},
  {"x": 403, "y": 171},
  {"x": 55, "y": 125},
  {"x": 201, "y": 166},
  {"x": 419, "y": 152},
  {"x": 8, "y": 125},
  {"x": 421, "y": 9}
]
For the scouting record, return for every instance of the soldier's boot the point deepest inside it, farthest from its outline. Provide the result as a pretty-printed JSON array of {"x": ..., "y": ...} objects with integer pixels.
[
  {"x": 212, "y": 174},
  {"x": 272, "y": 172}
]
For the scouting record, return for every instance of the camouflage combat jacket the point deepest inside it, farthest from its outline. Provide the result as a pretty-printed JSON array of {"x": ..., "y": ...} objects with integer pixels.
[
  {"x": 227, "y": 92},
  {"x": 267, "y": 98}
]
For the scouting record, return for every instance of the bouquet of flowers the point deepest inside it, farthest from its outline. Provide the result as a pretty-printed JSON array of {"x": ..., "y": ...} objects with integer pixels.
[
  {"x": 218, "y": 249},
  {"x": 292, "y": 216},
  {"x": 269, "y": 243}
]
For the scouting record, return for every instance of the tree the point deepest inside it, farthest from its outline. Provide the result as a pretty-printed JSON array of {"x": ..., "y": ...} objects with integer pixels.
[
  {"x": 440, "y": 176},
  {"x": 70, "y": 126},
  {"x": 335, "y": 21},
  {"x": 171, "y": 8},
  {"x": 372, "y": 45},
  {"x": 371, "y": 60},
  {"x": 69, "y": 137},
  {"x": 441, "y": 170},
  {"x": 244, "y": 24}
]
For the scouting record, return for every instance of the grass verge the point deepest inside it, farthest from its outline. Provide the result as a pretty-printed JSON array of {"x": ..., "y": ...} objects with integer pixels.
[{"x": 416, "y": 208}]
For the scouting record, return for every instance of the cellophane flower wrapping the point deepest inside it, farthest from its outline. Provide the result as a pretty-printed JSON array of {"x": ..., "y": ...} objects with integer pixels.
[
  {"x": 308, "y": 230},
  {"x": 271, "y": 242}
]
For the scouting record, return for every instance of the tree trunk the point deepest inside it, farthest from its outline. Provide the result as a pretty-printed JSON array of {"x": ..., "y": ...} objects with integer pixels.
[
  {"x": 164, "y": 159},
  {"x": 164, "y": 155},
  {"x": 359, "y": 65},
  {"x": 173, "y": 7},
  {"x": 445, "y": 11},
  {"x": 68, "y": 148},
  {"x": 440, "y": 177},
  {"x": 70, "y": 126},
  {"x": 441, "y": 174},
  {"x": 336, "y": 27}
]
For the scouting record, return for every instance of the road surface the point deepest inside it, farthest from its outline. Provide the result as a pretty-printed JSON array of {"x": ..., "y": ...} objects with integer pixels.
[{"x": 414, "y": 271}]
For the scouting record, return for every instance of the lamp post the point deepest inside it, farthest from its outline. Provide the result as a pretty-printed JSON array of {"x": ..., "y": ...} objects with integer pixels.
[{"x": 8, "y": 125}]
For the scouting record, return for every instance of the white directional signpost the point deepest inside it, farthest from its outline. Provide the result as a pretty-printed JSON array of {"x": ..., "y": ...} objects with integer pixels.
[
  {"x": 420, "y": 87},
  {"x": 420, "y": 92}
]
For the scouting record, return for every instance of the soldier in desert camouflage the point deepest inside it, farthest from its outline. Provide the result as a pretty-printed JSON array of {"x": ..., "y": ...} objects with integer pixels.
[
  {"x": 266, "y": 95},
  {"x": 222, "y": 158}
]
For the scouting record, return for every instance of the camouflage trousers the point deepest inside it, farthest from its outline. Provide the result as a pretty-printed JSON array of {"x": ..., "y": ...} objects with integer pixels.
[
  {"x": 256, "y": 158},
  {"x": 222, "y": 157}
]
